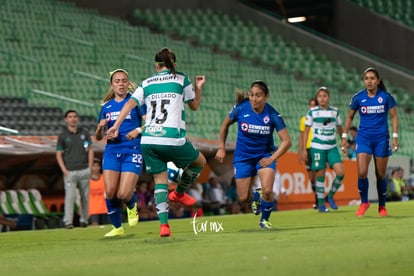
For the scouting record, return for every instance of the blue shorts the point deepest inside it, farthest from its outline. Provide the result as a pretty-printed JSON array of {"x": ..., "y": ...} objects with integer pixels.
[
  {"x": 380, "y": 148},
  {"x": 122, "y": 162},
  {"x": 250, "y": 167}
]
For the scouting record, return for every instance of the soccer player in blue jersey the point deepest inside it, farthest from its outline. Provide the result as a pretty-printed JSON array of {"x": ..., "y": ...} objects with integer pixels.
[
  {"x": 325, "y": 122},
  {"x": 373, "y": 104},
  {"x": 255, "y": 152},
  {"x": 163, "y": 138},
  {"x": 122, "y": 158}
]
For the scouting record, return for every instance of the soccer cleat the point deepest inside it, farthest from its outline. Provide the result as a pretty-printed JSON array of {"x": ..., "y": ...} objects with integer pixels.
[
  {"x": 382, "y": 211},
  {"x": 256, "y": 207},
  {"x": 69, "y": 226},
  {"x": 184, "y": 198},
  {"x": 165, "y": 230},
  {"x": 132, "y": 215},
  {"x": 115, "y": 232},
  {"x": 362, "y": 209},
  {"x": 264, "y": 224},
  {"x": 331, "y": 203},
  {"x": 256, "y": 203},
  {"x": 322, "y": 209},
  {"x": 315, "y": 206}
]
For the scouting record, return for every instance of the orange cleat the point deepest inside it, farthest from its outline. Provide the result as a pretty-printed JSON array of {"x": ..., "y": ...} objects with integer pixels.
[
  {"x": 165, "y": 230},
  {"x": 362, "y": 209},
  {"x": 184, "y": 198},
  {"x": 382, "y": 211}
]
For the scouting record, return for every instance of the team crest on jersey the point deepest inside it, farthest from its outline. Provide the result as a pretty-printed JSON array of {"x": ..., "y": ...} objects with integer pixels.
[
  {"x": 380, "y": 99},
  {"x": 244, "y": 126},
  {"x": 266, "y": 119},
  {"x": 108, "y": 116}
]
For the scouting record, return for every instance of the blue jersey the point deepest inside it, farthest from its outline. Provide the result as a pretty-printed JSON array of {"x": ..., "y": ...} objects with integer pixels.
[
  {"x": 110, "y": 111},
  {"x": 373, "y": 112},
  {"x": 255, "y": 131}
]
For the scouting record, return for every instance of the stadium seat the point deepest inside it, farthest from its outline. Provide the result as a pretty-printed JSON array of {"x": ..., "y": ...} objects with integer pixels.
[
  {"x": 14, "y": 202},
  {"x": 5, "y": 206},
  {"x": 44, "y": 220},
  {"x": 25, "y": 221},
  {"x": 40, "y": 208}
]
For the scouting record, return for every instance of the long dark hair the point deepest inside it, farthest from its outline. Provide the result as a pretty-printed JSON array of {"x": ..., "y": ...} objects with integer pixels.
[
  {"x": 381, "y": 85},
  {"x": 166, "y": 57}
]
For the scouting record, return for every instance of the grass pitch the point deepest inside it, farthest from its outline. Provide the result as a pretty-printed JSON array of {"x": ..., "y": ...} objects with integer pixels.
[{"x": 301, "y": 242}]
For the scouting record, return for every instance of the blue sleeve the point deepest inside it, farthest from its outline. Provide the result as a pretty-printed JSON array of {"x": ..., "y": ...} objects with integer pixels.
[
  {"x": 234, "y": 113},
  {"x": 278, "y": 121},
  {"x": 101, "y": 115},
  {"x": 354, "y": 104},
  {"x": 391, "y": 102},
  {"x": 142, "y": 110}
]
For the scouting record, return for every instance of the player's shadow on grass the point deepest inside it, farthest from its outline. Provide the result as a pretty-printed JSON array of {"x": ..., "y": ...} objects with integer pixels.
[
  {"x": 165, "y": 240},
  {"x": 387, "y": 217},
  {"x": 123, "y": 237}
]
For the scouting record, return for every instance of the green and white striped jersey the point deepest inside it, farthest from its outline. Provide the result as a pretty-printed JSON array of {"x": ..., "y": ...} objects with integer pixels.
[
  {"x": 323, "y": 123},
  {"x": 165, "y": 95}
]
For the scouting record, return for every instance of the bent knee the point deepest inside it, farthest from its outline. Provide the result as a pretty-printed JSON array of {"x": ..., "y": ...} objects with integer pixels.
[{"x": 243, "y": 198}]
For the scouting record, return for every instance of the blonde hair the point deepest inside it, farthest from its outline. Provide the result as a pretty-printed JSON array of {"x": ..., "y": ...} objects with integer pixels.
[
  {"x": 241, "y": 95},
  {"x": 111, "y": 94}
]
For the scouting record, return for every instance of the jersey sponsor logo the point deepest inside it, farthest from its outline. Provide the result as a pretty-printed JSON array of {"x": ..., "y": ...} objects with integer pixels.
[
  {"x": 255, "y": 129},
  {"x": 113, "y": 116},
  {"x": 163, "y": 78},
  {"x": 155, "y": 130},
  {"x": 373, "y": 109}
]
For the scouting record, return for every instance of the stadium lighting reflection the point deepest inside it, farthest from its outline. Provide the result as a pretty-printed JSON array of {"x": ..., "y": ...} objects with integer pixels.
[{"x": 296, "y": 19}]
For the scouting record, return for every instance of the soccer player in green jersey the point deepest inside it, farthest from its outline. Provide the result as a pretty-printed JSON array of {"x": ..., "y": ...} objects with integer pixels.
[
  {"x": 325, "y": 123},
  {"x": 163, "y": 139}
]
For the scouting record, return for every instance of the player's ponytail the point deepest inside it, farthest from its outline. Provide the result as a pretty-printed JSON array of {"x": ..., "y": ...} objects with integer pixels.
[{"x": 166, "y": 57}]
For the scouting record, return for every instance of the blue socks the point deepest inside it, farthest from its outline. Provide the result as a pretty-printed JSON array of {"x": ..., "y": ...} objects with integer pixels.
[
  {"x": 114, "y": 211},
  {"x": 130, "y": 204},
  {"x": 363, "y": 189},
  {"x": 266, "y": 208},
  {"x": 382, "y": 192},
  {"x": 256, "y": 196}
]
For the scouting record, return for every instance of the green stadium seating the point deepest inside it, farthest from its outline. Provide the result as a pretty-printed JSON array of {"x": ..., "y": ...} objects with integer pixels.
[
  {"x": 5, "y": 207},
  {"x": 399, "y": 10},
  {"x": 231, "y": 52}
]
